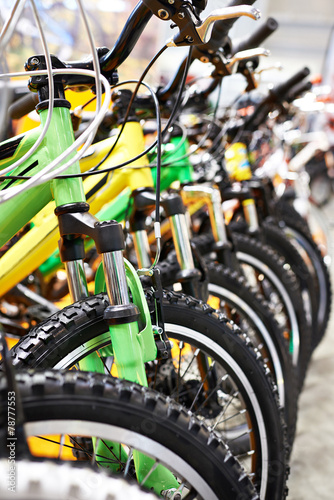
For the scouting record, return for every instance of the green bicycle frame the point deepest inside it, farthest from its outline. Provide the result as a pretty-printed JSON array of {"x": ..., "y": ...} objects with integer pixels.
[
  {"x": 179, "y": 167},
  {"x": 18, "y": 211}
]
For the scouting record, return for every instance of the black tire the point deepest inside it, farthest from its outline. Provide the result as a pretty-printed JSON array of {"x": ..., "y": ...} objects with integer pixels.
[
  {"x": 280, "y": 283},
  {"x": 275, "y": 237},
  {"x": 116, "y": 411},
  {"x": 272, "y": 235},
  {"x": 251, "y": 313},
  {"x": 296, "y": 228},
  {"x": 64, "y": 339}
]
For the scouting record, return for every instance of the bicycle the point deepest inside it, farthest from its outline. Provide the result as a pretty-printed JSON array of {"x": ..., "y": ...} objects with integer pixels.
[{"x": 131, "y": 311}]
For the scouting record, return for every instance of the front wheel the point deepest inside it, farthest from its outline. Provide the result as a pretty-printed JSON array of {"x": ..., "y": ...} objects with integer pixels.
[
  {"x": 136, "y": 420},
  {"x": 214, "y": 372},
  {"x": 41, "y": 479}
]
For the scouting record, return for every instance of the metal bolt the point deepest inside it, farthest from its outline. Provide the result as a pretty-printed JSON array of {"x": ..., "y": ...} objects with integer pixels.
[
  {"x": 189, "y": 39},
  {"x": 171, "y": 1},
  {"x": 216, "y": 59},
  {"x": 172, "y": 493},
  {"x": 180, "y": 15},
  {"x": 163, "y": 14}
]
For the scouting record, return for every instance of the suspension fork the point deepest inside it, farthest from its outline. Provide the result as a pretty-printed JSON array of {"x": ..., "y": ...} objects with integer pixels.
[
  {"x": 251, "y": 216},
  {"x": 75, "y": 221},
  {"x": 211, "y": 197},
  {"x": 176, "y": 213},
  {"x": 122, "y": 317},
  {"x": 188, "y": 275}
]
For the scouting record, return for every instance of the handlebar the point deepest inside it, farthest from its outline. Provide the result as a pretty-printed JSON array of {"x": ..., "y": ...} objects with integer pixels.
[
  {"x": 180, "y": 12},
  {"x": 22, "y": 106},
  {"x": 257, "y": 37},
  {"x": 275, "y": 97},
  {"x": 298, "y": 90},
  {"x": 280, "y": 90},
  {"x": 128, "y": 38}
]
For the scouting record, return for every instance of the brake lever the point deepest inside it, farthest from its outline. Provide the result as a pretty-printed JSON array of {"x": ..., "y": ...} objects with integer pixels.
[
  {"x": 247, "y": 54},
  {"x": 205, "y": 29},
  {"x": 197, "y": 34},
  {"x": 248, "y": 61},
  {"x": 278, "y": 66}
]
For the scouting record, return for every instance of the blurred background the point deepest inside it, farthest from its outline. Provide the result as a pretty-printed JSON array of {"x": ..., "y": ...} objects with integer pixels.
[{"x": 303, "y": 37}]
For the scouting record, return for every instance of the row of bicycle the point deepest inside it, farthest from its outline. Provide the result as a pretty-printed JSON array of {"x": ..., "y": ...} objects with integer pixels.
[{"x": 169, "y": 333}]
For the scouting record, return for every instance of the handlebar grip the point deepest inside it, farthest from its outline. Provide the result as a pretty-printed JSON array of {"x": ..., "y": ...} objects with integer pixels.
[
  {"x": 275, "y": 96},
  {"x": 257, "y": 37},
  {"x": 280, "y": 90},
  {"x": 22, "y": 106},
  {"x": 221, "y": 28},
  {"x": 298, "y": 90}
]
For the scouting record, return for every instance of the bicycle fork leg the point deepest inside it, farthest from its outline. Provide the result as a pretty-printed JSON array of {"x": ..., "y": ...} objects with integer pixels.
[
  {"x": 121, "y": 316},
  {"x": 128, "y": 357}
]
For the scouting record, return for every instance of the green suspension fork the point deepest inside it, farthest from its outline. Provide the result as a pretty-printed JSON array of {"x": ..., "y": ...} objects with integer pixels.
[{"x": 132, "y": 345}]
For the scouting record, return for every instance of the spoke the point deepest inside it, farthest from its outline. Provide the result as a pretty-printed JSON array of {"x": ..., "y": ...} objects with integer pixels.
[
  {"x": 179, "y": 378},
  {"x": 245, "y": 455},
  {"x": 61, "y": 445},
  {"x": 105, "y": 366},
  {"x": 107, "y": 369},
  {"x": 80, "y": 447},
  {"x": 181, "y": 487},
  {"x": 154, "y": 466},
  {"x": 107, "y": 459},
  {"x": 196, "y": 353},
  {"x": 93, "y": 459},
  {"x": 111, "y": 451},
  {"x": 201, "y": 386},
  {"x": 127, "y": 465},
  {"x": 214, "y": 390},
  {"x": 178, "y": 373},
  {"x": 240, "y": 435},
  {"x": 241, "y": 412},
  {"x": 232, "y": 397}
]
